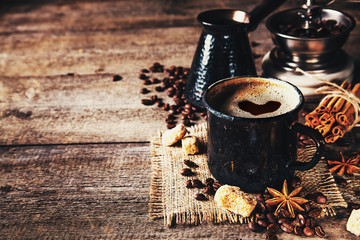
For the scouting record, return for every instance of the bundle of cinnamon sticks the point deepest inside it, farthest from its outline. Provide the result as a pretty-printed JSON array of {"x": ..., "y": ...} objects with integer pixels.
[{"x": 334, "y": 116}]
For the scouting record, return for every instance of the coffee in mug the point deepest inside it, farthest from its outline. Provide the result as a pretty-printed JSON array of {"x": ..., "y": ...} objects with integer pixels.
[{"x": 252, "y": 132}]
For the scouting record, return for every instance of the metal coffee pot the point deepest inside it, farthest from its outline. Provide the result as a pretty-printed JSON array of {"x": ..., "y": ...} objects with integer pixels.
[{"x": 224, "y": 49}]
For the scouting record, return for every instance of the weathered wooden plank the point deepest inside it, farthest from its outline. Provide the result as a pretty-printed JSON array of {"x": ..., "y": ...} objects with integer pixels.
[{"x": 94, "y": 191}]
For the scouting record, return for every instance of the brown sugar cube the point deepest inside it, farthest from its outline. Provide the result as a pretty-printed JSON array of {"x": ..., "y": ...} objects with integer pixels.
[
  {"x": 173, "y": 135},
  {"x": 353, "y": 223},
  {"x": 235, "y": 200},
  {"x": 190, "y": 145}
]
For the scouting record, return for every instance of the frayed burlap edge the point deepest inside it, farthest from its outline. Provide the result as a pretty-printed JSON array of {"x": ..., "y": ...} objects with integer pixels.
[{"x": 166, "y": 186}]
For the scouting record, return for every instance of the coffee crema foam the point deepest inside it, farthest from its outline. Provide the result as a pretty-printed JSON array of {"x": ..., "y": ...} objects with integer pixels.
[{"x": 258, "y": 91}]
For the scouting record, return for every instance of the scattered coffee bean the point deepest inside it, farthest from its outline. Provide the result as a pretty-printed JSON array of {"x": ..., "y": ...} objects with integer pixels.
[
  {"x": 315, "y": 213},
  {"x": 197, "y": 183},
  {"x": 143, "y": 76},
  {"x": 319, "y": 231},
  {"x": 186, "y": 172},
  {"x": 271, "y": 236},
  {"x": 273, "y": 227},
  {"x": 216, "y": 185},
  {"x": 298, "y": 230},
  {"x": 271, "y": 217},
  {"x": 147, "y": 102},
  {"x": 209, "y": 190},
  {"x": 147, "y": 82},
  {"x": 260, "y": 216},
  {"x": 321, "y": 198},
  {"x": 159, "y": 89},
  {"x": 308, "y": 231},
  {"x": 170, "y": 126},
  {"x": 144, "y": 70},
  {"x": 209, "y": 182},
  {"x": 262, "y": 223},
  {"x": 189, "y": 184},
  {"x": 307, "y": 207},
  {"x": 117, "y": 78},
  {"x": 200, "y": 197},
  {"x": 301, "y": 219},
  {"x": 286, "y": 227},
  {"x": 144, "y": 91},
  {"x": 190, "y": 163},
  {"x": 253, "y": 226}
]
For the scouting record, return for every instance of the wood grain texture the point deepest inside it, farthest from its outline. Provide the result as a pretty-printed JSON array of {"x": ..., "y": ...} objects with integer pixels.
[{"x": 94, "y": 191}]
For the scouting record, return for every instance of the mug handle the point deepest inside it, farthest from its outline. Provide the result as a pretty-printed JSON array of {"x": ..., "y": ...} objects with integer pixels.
[{"x": 319, "y": 142}]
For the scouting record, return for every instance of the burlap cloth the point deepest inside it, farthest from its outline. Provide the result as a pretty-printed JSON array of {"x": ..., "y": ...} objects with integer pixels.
[{"x": 171, "y": 200}]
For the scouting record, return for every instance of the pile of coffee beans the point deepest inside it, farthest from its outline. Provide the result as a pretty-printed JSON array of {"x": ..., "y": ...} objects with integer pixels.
[
  {"x": 208, "y": 187},
  {"x": 173, "y": 83},
  {"x": 304, "y": 223},
  {"x": 324, "y": 28}
]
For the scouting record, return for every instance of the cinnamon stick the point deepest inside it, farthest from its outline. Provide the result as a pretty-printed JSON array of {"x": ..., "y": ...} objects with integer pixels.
[
  {"x": 339, "y": 130},
  {"x": 322, "y": 107},
  {"x": 313, "y": 118},
  {"x": 323, "y": 129},
  {"x": 327, "y": 119}
]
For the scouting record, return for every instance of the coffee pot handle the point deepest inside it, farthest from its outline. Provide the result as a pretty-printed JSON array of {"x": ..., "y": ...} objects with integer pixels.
[
  {"x": 262, "y": 11},
  {"x": 319, "y": 142}
]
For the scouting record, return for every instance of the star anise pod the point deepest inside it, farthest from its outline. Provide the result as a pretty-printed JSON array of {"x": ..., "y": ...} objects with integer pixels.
[
  {"x": 284, "y": 199},
  {"x": 348, "y": 166}
]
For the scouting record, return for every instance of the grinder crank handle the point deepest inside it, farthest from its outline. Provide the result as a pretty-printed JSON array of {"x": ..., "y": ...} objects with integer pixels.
[
  {"x": 262, "y": 11},
  {"x": 319, "y": 142}
]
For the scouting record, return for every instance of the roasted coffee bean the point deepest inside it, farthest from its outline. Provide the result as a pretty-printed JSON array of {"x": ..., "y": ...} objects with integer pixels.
[
  {"x": 271, "y": 217},
  {"x": 321, "y": 198},
  {"x": 319, "y": 231},
  {"x": 270, "y": 236},
  {"x": 315, "y": 213},
  {"x": 186, "y": 172},
  {"x": 301, "y": 219},
  {"x": 200, "y": 197},
  {"x": 147, "y": 102},
  {"x": 286, "y": 227},
  {"x": 190, "y": 163},
  {"x": 284, "y": 220},
  {"x": 298, "y": 230},
  {"x": 159, "y": 103},
  {"x": 216, "y": 185},
  {"x": 209, "y": 182},
  {"x": 253, "y": 226},
  {"x": 159, "y": 89},
  {"x": 209, "y": 190},
  {"x": 260, "y": 216},
  {"x": 261, "y": 206},
  {"x": 144, "y": 91},
  {"x": 273, "y": 227},
  {"x": 147, "y": 82},
  {"x": 189, "y": 184},
  {"x": 197, "y": 183},
  {"x": 307, "y": 207},
  {"x": 308, "y": 231},
  {"x": 284, "y": 213},
  {"x": 143, "y": 76},
  {"x": 144, "y": 70},
  {"x": 269, "y": 207},
  {"x": 166, "y": 107},
  {"x": 310, "y": 222},
  {"x": 154, "y": 80},
  {"x": 117, "y": 78},
  {"x": 170, "y": 126},
  {"x": 296, "y": 222},
  {"x": 262, "y": 223}
]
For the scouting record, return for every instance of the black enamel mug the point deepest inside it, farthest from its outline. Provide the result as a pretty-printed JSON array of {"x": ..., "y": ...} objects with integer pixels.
[{"x": 253, "y": 132}]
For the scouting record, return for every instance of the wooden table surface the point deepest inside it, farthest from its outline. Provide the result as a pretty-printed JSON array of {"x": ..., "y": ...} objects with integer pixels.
[{"x": 75, "y": 152}]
